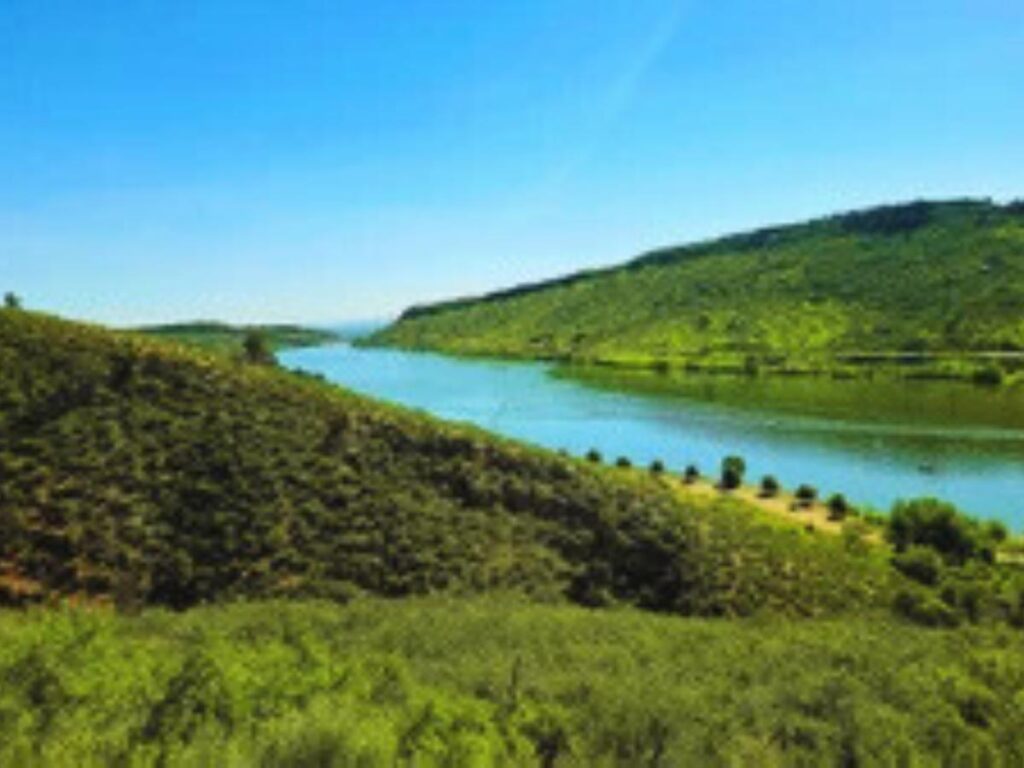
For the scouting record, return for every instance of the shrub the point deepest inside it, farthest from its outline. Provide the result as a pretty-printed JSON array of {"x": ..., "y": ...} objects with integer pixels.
[
  {"x": 623, "y": 462},
  {"x": 939, "y": 525},
  {"x": 854, "y": 536},
  {"x": 922, "y": 607},
  {"x": 922, "y": 564},
  {"x": 769, "y": 486},
  {"x": 257, "y": 348},
  {"x": 806, "y": 494},
  {"x": 989, "y": 376},
  {"x": 691, "y": 474},
  {"x": 657, "y": 467},
  {"x": 733, "y": 469},
  {"x": 995, "y": 531},
  {"x": 12, "y": 300},
  {"x": 594, "y": 455},
  {"x": 838, "y": 507}
]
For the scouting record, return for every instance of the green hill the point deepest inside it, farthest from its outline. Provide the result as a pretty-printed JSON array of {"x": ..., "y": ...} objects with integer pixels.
[
  {"x": 138, "y": 475},
  {"x": 149, "y": 473},
  {"x": 936, "y": 285},
  {"x": 223, "y": 337}
]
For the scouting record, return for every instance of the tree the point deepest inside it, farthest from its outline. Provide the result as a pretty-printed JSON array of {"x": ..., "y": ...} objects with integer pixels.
[
  {"x": 257, "y": 348},
  {"x": 733, "y": 469},
  {"x": 594, "y": 455},
  {"x": 941, "y": 526},
  {"x": 691, "y": 474},
  {"x": 623, "y": 463},
  {"x": 769, "y": 486},
  {"x": 838, "y": 507},
  {"x": 657, "y": 467},
  {"x": 806, "y": 494},
  {"x": 12, "y": 300}
]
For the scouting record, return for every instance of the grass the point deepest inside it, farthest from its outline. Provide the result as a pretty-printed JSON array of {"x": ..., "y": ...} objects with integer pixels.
[{"x": 920, "y": 290}]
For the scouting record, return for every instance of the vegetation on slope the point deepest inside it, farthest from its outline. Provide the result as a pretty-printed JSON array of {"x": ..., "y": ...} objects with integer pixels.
[
  {"x": 231, "y": 339},
  {"x": 925, "y": 285},
  {"x": 499, "y": 682},
  {"x": 148, "y": 473},
  {"x": 142, "y": 473}
]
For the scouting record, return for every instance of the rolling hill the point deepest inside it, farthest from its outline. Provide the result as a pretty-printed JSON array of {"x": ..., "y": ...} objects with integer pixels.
[
  {"x": 143, "y": 472},
  {"x": 141, "y": 475},
  {"x": 230, "y": 339},
  {"x": 937, "y": 286}
]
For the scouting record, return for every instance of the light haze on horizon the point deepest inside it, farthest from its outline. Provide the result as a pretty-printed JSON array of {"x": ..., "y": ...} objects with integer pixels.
[{"x": 316, "y": 162}]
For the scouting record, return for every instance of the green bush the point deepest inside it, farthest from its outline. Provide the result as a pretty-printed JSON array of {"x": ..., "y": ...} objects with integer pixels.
[
  {"x": 922, "y": 564},
  {"x": 594, "y": 456},
  {"x": 691, "y": 474},
  {"x": 657, "y": 467},
  {"x": 989, "y": 376},
  {"x": 769, "y": 487},
  {"x": 939, "y": 525},
  {"x": 733, "y": 469},
  {"x": 924, "y": 607},
  {"x": 838, "y": 507},
  {"x": 806, "y": 495}
]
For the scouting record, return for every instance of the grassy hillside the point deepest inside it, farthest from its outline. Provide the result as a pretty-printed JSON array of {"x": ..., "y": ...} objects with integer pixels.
[
  {"x": 922, "y": 285},
  {"x": 500, "y": 683},
  {"x": 147, "y": 473},
  {"x": 230, "y": 339}
]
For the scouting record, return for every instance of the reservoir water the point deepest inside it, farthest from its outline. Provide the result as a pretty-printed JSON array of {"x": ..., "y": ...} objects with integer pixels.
[{"x": 876, "y": 442}]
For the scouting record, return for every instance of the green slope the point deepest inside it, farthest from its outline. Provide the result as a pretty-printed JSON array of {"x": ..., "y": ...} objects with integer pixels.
[
  {"x": 478, "y": 683},
  {"x": 880, "y": 285},
  {"x": 149, "y": 473}
]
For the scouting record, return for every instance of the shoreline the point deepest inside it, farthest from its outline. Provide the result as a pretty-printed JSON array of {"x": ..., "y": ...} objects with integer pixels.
[{"x": 981, "y": 369}]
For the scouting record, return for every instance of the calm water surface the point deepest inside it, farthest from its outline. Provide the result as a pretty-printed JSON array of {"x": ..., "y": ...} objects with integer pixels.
[{"x": 875, "y": 442}]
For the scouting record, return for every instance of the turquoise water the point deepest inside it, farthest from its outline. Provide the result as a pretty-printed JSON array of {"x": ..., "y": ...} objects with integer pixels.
[{"x": 875, "y": 442}]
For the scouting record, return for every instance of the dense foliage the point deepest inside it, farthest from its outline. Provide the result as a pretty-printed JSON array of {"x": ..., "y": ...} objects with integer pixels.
[
  {"x": 913, "y": 286},
  {"x": 148, "y": 473},
  {"x": 474, "y": 683}
]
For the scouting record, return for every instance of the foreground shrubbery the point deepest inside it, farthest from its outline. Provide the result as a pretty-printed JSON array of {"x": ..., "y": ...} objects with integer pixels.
[{"x": 476, "y": 683}]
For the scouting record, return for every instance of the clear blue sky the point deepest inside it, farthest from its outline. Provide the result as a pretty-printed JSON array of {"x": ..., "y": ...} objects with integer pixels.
[{"x": 328, "y": 160}]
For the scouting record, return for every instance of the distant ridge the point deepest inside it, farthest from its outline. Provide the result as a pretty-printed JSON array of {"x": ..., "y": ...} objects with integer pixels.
[{"x": 917, "y": 277}]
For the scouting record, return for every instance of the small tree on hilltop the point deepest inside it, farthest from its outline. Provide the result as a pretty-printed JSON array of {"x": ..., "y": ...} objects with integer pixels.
[
  {"x": 769, "y": 487},
  {"x": 691, "y": 474},
  {"x": 594, "y": 455},
  {"x": 806, "y": 495},
  {"x": 838, "y": 507},
  {"x": 257, "y": 348},
  {"x": 733, "y": 469},
  {"x": 657, "y": 467},
  {"x": 12, "y": 300}
]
